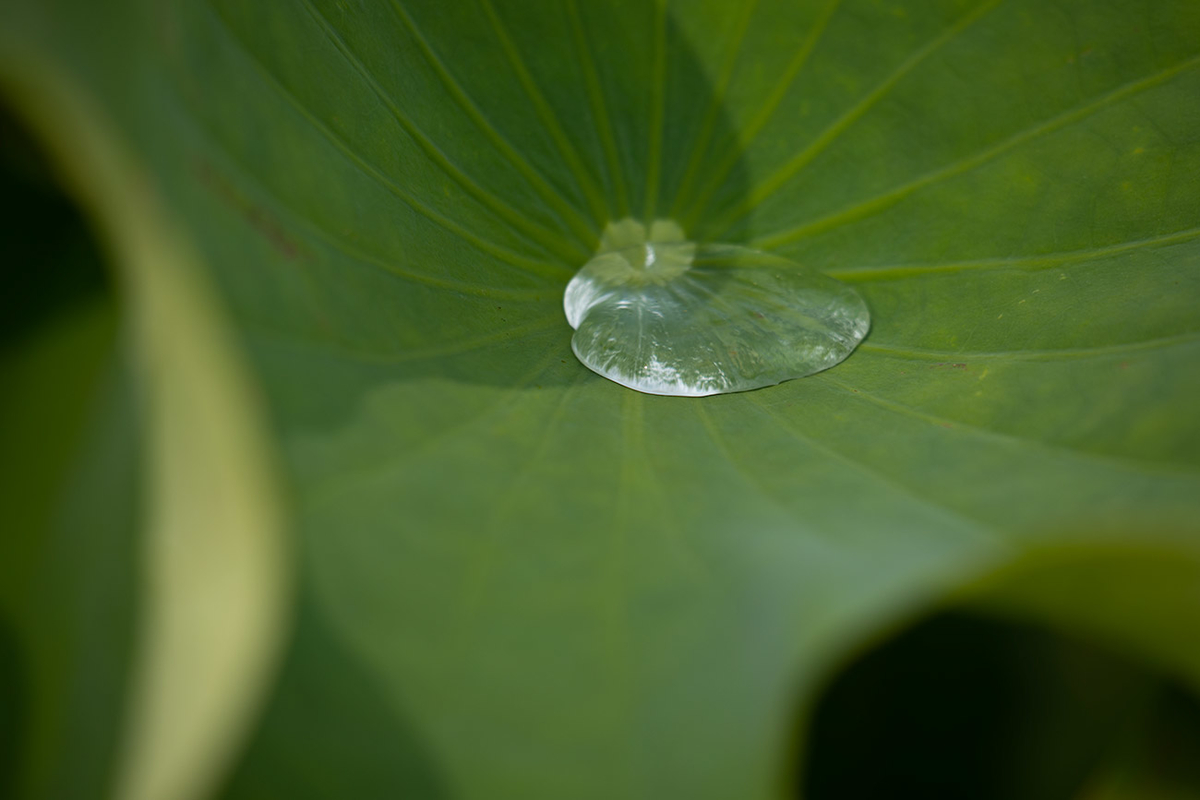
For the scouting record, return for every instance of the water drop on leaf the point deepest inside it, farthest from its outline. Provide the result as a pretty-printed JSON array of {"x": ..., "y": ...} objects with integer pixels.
[{"x": 662, "y": 315}]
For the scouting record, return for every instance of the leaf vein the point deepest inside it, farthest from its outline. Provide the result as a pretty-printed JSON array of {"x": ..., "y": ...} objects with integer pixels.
[
  {"x": 1063, "y": 354},
  {"x": 604, "y": 123},
  {"x": 751, "y": 130},
  {"x": 887, "y": 199},
  {"x": 658, "y": 82},
  {"x": 973, "y": 524},
  {"x": 557, "y": 202},
  {"x": 565, "y": 249},
  {"x": 1122, "y": 462},
  {"x": 486, "y": 557},
  {"x": 332, "y": 488},
  {"x": 543, "y": 269},
  {"x": 459, "y": 347},
  {"x": 794, "y": 165},
  {"x": 715, "y": 104},
  {"x": 1032, "y": 263},
  {"x": 548, "y": 116}
]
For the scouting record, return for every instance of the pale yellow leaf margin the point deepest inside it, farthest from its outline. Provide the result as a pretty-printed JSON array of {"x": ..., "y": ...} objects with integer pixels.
[{"x": 216, "y": 572}]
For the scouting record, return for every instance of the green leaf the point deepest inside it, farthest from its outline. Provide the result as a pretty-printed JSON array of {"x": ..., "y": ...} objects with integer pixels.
[
  {"x": 69, "y": 471},
  {"x": 212, "y": 571},
  {"x": 562, "y": 588}
]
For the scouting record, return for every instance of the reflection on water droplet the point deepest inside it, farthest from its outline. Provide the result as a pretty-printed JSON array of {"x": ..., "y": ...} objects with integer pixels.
[{"x": 663, "y": 315}]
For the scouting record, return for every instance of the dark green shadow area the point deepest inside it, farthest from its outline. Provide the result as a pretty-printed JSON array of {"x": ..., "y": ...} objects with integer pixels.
[
  {"x": 969, "y": 707},
  {"x": 49, "y": 260},
  {"x": 14, "y": 689},
  {"x": 69, "y": 493},
  {"x": 329, "y": 731}
]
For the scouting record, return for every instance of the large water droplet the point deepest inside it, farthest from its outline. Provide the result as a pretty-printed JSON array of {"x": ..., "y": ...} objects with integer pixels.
[{"x": 663, "y": 315}]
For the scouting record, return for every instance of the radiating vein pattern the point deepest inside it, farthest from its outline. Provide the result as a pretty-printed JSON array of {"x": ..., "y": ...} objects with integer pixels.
[
  {"x": 551, "y": 575},
  {"x": 1046, "y": 261},
  {"x": 599, "y": 109},
  {"x": 882, "y": 201},
  {"x": 719, "y": 171},
  {"x": 415, "y": 202},
  {"x": 581, "y": 171},
  {"x": 553, "y": 239},
  {"x": 586, "y": 234},
  {"x": 774, "y": 182}
]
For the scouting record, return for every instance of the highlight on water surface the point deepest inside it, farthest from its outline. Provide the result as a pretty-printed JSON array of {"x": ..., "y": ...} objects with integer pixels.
[{"x": 663, "y": 315}]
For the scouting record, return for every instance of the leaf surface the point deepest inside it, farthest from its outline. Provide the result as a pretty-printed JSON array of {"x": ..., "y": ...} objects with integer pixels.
[{"x": 567, "y": 589}]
